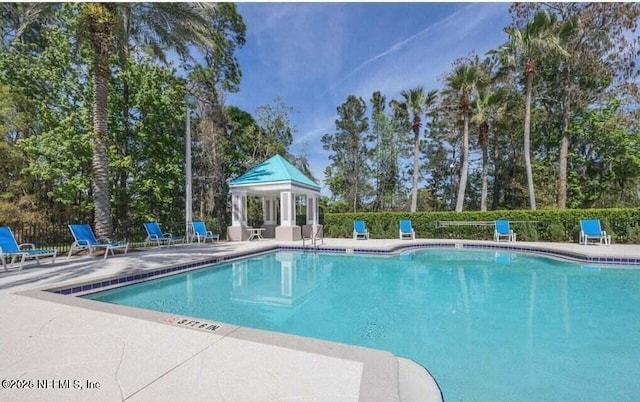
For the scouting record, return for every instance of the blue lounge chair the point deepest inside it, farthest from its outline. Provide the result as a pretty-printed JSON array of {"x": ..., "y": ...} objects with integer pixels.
[
  {"x": 154, "y": 233},
  {"x": 202, "y": 234},
  {"x": 590, "y": 229},
  {"x": 84, "y": 238},
  {"x": 9, "y": 247},
  {"x": 360, "y": 230},
  {"x": 406, "y": 229},
  {"x": 503, "y": 230}
]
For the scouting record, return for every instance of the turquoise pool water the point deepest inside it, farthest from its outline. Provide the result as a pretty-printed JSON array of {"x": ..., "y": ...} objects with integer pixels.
[{"x": 489, "y": 326}]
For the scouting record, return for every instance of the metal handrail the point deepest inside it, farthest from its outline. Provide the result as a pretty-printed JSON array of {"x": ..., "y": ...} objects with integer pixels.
[
  {"x": 444, "y": 224},
  {"x": 319, "y": 234},
  {"x": 315, "y": 236}
]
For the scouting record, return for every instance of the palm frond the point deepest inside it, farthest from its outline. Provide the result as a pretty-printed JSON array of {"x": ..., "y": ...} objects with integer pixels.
[{"x": 179, "y": 25}]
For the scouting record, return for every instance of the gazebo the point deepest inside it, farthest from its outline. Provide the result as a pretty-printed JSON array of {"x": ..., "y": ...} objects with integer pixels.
[{"x": 278, "y": 183}]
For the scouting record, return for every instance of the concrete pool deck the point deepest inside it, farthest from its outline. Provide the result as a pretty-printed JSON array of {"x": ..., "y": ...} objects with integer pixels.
[{"x": 57, "y": 347}]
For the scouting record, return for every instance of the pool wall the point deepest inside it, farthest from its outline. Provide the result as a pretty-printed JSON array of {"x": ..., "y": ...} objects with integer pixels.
[{"x": 84, "y": 288}]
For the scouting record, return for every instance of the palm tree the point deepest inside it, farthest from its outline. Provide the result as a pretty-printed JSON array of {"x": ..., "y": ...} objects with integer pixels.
[
  {"x": 463, "y": 82},
  {"x": 108, "y": 27},
  {"x": 525, "y": 46},
  {"x": 566, "y": 34},
  {"x": 482, "y": 108},
  {"x": 416, "y": 102}
]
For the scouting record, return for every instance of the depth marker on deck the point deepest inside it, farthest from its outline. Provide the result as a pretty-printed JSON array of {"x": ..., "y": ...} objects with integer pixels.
[{"x": 195, "y": 324}]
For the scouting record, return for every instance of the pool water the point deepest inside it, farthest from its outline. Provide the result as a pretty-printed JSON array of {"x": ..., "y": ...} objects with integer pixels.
[{"x": 489, "y": 326}]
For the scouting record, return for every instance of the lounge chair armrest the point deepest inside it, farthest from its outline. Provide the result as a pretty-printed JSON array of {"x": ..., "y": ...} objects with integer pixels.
[
  {"x": 30, "y": 246},
  {"x": 167, "y": 235},
  {"x": 104, "y": 240},
  {"x": 210, "y": 233}
]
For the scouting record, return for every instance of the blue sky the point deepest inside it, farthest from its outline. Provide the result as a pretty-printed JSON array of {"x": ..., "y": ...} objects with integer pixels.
[{"x": 313, "y": 55}]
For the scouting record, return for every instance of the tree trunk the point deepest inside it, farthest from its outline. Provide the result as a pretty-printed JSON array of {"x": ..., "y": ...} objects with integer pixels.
[
  {"x": 379, "y": 203},
  {"x": 123, "y": 197},
  {"x": 101, "y": 20},
  {"x": 220, "y": 188},
  {"x": 564, "y": 147},
  {"x": 355, "y": 186},
  {"x": 465, "y": 164},
  {"x": 496, "y": 172},
  {"x": 562, "y": 170},
  {"x": 485, "y": 169},
  {"x": 527, "y": 141},
  {"x": 101, "y": 186},
  {"x": 416, "y": 169}
]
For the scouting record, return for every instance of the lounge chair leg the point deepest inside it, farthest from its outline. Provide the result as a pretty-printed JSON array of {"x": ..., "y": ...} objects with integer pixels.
[{"x": 70, "y": 251}]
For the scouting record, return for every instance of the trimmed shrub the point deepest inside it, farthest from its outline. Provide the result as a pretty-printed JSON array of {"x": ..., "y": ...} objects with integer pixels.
[
  {"x": 633, "y": 234},
  {"x": 528, "y": 232},
  {"x": 556, "y": 232},
  {"x": 539, "y": 225}
]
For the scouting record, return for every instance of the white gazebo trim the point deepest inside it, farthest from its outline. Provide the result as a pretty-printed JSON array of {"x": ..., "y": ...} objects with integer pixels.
[{"x": 287, "y": 184}]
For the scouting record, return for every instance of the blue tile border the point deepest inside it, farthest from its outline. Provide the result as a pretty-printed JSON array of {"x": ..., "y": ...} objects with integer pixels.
[
  {"x": 102, "y": 284},
  {"x": 124, "y": 280}
]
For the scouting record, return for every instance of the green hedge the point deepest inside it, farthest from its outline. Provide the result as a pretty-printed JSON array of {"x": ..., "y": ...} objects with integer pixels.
[{"x": 623, "y": 224}]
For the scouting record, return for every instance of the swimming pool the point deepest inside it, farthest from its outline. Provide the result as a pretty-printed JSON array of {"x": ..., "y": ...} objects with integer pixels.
[{"x": 489, "y": 326}]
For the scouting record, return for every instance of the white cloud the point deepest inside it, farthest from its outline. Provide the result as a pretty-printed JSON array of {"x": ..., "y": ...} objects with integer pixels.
[{"x": 423, "y": 57}]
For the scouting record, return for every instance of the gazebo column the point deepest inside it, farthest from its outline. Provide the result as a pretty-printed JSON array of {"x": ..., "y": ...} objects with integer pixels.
[
  {"x": 288, "y": 231},
  {"x": 237, "y": 231},
  {"x": 269, "y": 216},
  {"x": 313, "y": 216}
]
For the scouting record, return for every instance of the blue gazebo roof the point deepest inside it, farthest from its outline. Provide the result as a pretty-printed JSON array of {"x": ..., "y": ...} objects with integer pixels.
[{"x": 272, "y": 171}]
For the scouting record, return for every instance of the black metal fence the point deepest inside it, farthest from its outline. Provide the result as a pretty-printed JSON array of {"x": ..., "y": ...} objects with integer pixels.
[{"x": 59, "y": 235}]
